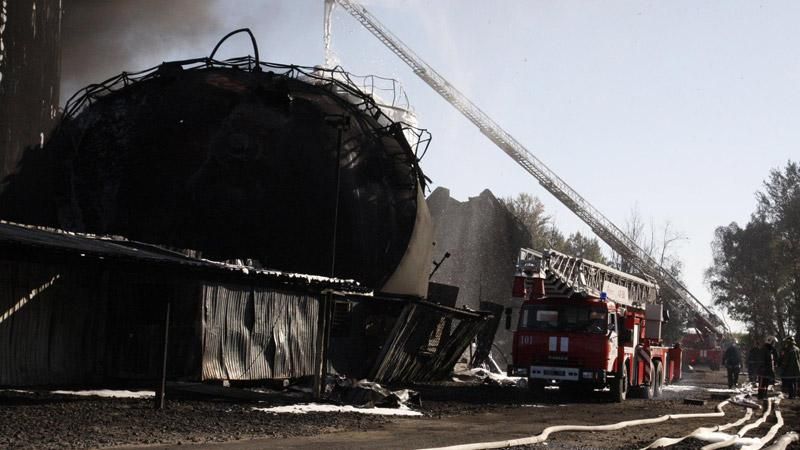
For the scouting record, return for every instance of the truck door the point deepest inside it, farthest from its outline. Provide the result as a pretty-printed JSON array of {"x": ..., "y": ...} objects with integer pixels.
[{"x": 613, "y": 340}]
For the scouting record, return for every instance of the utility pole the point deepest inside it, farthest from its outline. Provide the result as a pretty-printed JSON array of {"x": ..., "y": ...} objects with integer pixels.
[{"x": 341, "y": 122}]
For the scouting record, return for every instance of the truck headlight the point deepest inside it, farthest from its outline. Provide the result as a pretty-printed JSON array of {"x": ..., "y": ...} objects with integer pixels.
[
  {"x": 521, "y": 371},
  {"x": 588, "y": 375}
]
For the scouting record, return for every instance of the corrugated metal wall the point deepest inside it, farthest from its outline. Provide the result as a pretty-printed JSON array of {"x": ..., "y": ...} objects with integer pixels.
[
  {"x": 63, "y": 324},
  {"x": 83, "y": 324},
  {"x": 356, "y": 341},
  {"x": 251, "y": 334},
  {"x": 136, "y": 315},
  {"x": 426, "y": 343},
  {"x": 52, "y": 323}
]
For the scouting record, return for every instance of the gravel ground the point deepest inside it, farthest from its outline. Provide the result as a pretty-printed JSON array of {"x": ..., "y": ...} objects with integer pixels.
[
  {"x": 454, "y": 413},
  {"x": 42, "y": 420}
]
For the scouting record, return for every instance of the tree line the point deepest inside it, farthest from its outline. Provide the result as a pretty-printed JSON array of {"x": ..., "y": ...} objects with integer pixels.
[
  {"x": 755, "y": 274},
  {"x": 530, "y": 212}
]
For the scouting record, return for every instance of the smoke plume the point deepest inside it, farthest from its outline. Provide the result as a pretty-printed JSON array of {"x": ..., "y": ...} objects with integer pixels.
[{"x": 102, "y": 38}]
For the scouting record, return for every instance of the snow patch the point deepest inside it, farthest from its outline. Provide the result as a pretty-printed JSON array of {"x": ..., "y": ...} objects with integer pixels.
[
  {"x": 317, "y": 407},
  {"x": 18, "y": 391},
  {"x": 109, "y": 393},
  {"x": 486, "y": 376},
  {"x": 244, "y": 268},
  {"x": 680, "y": 388}
]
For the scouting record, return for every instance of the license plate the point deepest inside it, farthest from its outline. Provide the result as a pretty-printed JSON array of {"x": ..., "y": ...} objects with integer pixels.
[{"x": 554, "y": 373}]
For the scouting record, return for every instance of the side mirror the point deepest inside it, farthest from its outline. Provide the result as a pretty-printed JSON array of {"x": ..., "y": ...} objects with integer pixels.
[{"x": 508, "y": 318}]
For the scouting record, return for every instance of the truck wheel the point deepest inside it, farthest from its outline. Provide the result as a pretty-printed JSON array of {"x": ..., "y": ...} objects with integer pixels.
[
  {"x": 658, "y": 389},
  {"x": 649, "y": 391},
  {"x": 619, "y": 387}
]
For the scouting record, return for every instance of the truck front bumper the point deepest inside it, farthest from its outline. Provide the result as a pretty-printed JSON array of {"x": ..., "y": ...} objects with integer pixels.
[{"x": 555, "y": 373}]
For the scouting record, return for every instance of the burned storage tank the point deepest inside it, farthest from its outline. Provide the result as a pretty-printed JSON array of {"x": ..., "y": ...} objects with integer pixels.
[{"x": 237, "y": 159}]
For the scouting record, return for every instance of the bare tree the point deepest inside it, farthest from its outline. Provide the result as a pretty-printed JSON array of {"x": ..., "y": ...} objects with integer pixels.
[
  {"x": 658, "y": 242},
  {"x": 530, "y": 211},
  {"x": 661, "y": 244}
]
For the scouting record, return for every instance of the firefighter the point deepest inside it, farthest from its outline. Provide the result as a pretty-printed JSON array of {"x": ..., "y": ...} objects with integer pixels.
[
  {"x": 790, "y": 367},
  {"x": 766, "y": 373},
  {"x": 732, "y": 360}
]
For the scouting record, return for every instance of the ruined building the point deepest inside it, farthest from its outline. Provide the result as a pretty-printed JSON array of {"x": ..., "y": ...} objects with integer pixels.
[
  {"x": 206, "y": 188},
  {"x": 483, "y": 239}
]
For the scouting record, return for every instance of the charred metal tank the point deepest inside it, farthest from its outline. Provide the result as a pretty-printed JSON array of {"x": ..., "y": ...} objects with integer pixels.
[{"x": 237, "y": 159}]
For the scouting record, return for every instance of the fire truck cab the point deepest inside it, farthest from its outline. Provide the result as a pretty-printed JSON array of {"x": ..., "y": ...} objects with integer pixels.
[{"x": 573, "y": 335}]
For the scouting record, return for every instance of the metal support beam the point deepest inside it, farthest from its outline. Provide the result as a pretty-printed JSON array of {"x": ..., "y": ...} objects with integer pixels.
[{"x": 162, "y": 385}]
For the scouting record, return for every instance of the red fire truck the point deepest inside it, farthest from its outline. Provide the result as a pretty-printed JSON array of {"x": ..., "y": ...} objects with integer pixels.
[
  {"x": 701, "y": 349},
  {"x": 584, "y": 325}
]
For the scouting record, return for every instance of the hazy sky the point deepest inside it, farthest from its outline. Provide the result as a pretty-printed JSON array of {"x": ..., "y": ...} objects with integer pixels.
[{"x": 676, "y": 108}]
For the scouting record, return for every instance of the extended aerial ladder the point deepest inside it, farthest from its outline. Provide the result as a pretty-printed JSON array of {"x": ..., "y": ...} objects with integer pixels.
[
  {"x": 566, "y": 275},
  {"x": 705, "y": 320}
]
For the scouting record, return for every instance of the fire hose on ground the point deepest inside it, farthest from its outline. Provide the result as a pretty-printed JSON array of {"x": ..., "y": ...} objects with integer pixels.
[
  {"x": 706, "y": 433},
  {"x": 702, "y": 432},
  {"x": 750, "y": 443},
  {"x": 561, "y": 428},
  {"x": 784, "y": 441}
]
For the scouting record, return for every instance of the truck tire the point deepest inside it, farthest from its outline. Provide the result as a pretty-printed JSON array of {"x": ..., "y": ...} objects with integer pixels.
[
  {"x": 619, "y": 387},
  {"x": 658, "y": 389},
  {"x": 649, "y": 391}
]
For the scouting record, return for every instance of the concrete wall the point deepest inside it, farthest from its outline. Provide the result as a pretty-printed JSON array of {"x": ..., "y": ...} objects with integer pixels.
[{"x": 484, "y": 240}]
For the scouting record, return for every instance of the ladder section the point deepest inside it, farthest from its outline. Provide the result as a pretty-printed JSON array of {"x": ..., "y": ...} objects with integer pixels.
[
  {"x": 600, "y": 225},
  {"x": 567, "y": 275}
]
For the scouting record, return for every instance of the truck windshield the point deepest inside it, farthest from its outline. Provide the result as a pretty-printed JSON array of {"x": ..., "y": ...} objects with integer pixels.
[{"x": 564, "y": 318}]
